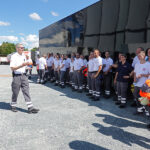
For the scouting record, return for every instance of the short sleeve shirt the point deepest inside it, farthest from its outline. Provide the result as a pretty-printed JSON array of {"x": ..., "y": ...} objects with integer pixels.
[
  {"x": 68, "y": 60},
  {"x": 141, "y": 69},
  {"x": 56, "y": 64},
  {"x": 17, "y": 60},
  {"x": 42, "y": 63},
  {"x": 71, "y": 66},
  {"x": 49, "y": 62},
  {"x": 108, "y": 63},
  {"x": 78, "y": 63},
  {"x": 91, "y": 65},
  {"x": 61, "y": 63},
  {"x": 123, "y": 70},
  {"x": 97, "y": 63}
]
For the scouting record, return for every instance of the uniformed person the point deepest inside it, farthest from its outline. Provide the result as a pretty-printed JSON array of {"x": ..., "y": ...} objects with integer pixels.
[
  {"x": 67, "y": 65},
  {"x": 122, "y": 78},
  {"x": 49, "y": 62},
  {"x": 107, "y": 70},
  {"x": 78, "y": 66},
  {"x": 141, "y": 74},
  {"x": 62, "y": 70},
  {"x": 18, "y": 65},
  {"x": 56, "y": 69},
  {"x": 96, "y": 77},
  {"x": 71, "y": 74},
  {"x": 42, "y": 68},
  {"x": 90, "y": 71}
]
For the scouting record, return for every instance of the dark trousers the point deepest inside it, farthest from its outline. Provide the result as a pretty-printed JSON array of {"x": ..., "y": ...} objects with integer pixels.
[
  {"x": 78, "y": 79},
  {"x": 20, "y": 82},
  {"x": 29, "y": 70},
  {"x": 56, "y": 73},
  {"x": 62, "y": 78},
  {"x": 107, "y": 83},
  {"x": 122, "y": 88},
  {"x": 89, "y": 80},
  {"x": 136, "y": 97},
  {"x": 41, "y": 74},
  {"x": 67, "y": 76},
  {"x": 50, "y": 72},
  {"x": 96, "y": 83},
  {"x": 71, "y": 74}
]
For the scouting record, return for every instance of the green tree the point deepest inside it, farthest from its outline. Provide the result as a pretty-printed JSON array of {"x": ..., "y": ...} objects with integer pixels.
[
  {"x": 7, "y": 48},
  {"x": 34, "y": 49}
]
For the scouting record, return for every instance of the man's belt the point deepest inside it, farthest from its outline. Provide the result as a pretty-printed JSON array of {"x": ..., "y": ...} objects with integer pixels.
[{"x": 16, "y": 75}]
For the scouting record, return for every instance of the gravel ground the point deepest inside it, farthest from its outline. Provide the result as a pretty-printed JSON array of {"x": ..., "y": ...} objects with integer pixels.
[{"x": 67, "y": 120}]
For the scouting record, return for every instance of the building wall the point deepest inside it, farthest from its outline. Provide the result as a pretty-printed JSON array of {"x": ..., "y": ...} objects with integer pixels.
[
  {"x": 107, "y": 25},
  {"x": 60, "y": 50}
]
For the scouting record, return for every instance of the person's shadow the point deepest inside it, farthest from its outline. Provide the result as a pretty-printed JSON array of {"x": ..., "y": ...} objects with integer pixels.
[
  {"x": 123, "y": 136},
  {"x": 120, "y": 122},
  {"x": 6, "y": 106},
  {"x": 82, "y": 145}
]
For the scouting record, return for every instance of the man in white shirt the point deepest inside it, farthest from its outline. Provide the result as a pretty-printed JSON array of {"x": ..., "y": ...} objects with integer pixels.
[
  {"x": 90, "y": 71},
  {"x": 71, "y": 72},
  {"x": 141, "y": 74},
  {"x": 49, "y": 62},
  {"x": 56, "y": 69},
  {"x": 18, "y": 65},
  {"x": 67, "y": 64},
  {"x": 62, "y": 68},
  {"x": 107, "y": 74},
  {"x": 42, "y": 67},
  {"x": 96, "y": 77},
  {"x": 78, "y": 66}
]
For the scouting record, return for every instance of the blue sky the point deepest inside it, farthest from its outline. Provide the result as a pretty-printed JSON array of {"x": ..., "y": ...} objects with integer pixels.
[{"x": 21, "y": 20}]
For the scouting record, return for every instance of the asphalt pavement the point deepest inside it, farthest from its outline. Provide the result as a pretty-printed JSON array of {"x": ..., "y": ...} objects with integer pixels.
[{"x": 67, "y": 120}]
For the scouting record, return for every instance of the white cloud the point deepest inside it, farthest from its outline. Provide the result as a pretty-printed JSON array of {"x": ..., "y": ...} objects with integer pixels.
[
  {"x": 8, "y": 39},
  {"x": 22, "y": 34},
  {"x": 35, "y": 16},
  {"x": 30, "y": 41},
  {"x": 31, "y": 38},
  {"x": 55, "y": 14},
  {"x": 4, "y": 23}
]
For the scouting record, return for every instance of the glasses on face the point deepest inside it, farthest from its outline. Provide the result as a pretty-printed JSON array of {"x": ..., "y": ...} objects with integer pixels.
[{"x": 21, "y": 47}]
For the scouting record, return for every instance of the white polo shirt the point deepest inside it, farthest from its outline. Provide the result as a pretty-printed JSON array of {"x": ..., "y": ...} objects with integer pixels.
[
  {"x": 61, "y": 63},
  {"x": 108, "y": 63},
  {"x": 85, "y": 62},
  {"x": 37, "y": 61},
  {"x": 91, "y": 65},
  {"x": 97, "y": 63},
  {"x": 17, "y": 60},
  {"x": 50, "y": 61},
  {"x": 141, "y": 69},
  {"x": 68, "y": 60},
  {"x": 56, "y": 64},
  {"x": 136, "y": 60},
  {"x": 78, "y": 63},
  {"x": 42, "y": 63},
  {"x": 71, "y": 66}
]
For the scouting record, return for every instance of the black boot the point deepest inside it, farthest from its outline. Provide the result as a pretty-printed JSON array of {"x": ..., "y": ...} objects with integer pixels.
[
  {"x": 118, "y": 103},
  {"x": 89, "y": 94},
  {"x": 133, "y": 104},
  {"x": 14, "y": 109},
  {"x": 122, "y": 105},
  {"x": 33, "y": 110}
]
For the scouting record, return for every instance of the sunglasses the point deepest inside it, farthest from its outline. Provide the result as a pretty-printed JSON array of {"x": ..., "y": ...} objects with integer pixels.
[{"x": 21, "y": 47}]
